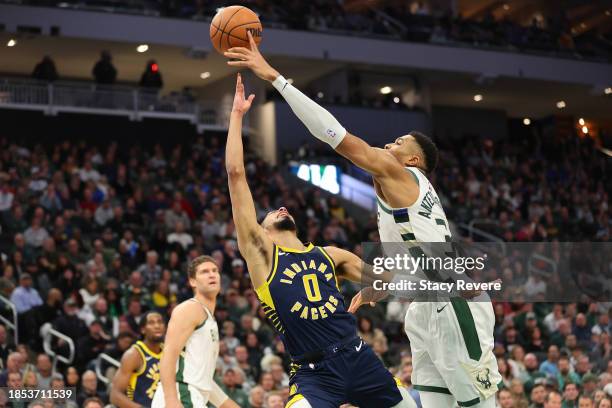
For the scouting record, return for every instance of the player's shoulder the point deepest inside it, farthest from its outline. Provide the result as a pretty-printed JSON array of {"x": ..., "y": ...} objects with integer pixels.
[
  {"x": 187, "y": 310},
  {"x": 132, "y": 357},
  {"x": 338, "y": 255}
]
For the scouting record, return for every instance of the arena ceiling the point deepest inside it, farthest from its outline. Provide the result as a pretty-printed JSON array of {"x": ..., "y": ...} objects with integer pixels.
[{"x": 518, "y": 97}]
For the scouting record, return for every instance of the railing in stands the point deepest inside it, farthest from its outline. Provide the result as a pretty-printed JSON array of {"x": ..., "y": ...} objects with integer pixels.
[
  {"x": 542, "y": 265},
  {"x": 14, "y": 324},
  {"x": 48, "y": 333},
  {"x": 478, "y": 236},
  {"x": 135, "y": 103},
  {"x": 98, "y": 366}
]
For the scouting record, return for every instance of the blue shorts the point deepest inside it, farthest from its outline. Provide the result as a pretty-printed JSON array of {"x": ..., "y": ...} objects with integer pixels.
[{"x": 351, "y": 374}]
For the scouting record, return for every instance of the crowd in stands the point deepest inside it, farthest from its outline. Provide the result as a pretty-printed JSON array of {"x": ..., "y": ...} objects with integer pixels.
[
  {"x": 406, "y": 20},
  {"x": 92, "y": 236}
]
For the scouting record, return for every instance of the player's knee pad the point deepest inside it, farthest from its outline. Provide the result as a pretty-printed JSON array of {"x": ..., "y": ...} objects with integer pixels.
[{"x": 407, "y": 401}]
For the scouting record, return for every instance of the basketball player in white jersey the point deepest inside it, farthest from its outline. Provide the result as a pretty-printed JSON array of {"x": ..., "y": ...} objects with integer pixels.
[
  {"x": 191, "y": 346},
  {"x": 452, "y": 340}
]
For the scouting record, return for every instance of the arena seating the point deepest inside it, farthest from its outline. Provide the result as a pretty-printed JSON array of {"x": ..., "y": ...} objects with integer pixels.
[{"x": 108, "y": 232}]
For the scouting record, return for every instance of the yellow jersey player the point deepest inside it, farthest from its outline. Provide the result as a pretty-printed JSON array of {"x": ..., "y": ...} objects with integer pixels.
[
  {"x": 297, "y": 285},
  {"x": 137, "y": 379}
]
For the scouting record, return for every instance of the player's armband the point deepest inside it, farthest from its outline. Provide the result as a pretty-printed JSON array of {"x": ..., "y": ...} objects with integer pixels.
[{"x": 322, "y": 124}]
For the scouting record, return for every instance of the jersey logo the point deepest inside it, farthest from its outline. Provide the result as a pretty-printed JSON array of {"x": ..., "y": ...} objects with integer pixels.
[
  {"x": 281, "y": 253},
  {"x": 147, "y": 358},
  {"x": 153, "y": 375},
  {"x": 358, "y": 348},
  {"x": 214, "y": 334},
  {"x": 441, "y": 308},
  {"x": 483, "y": 378}
]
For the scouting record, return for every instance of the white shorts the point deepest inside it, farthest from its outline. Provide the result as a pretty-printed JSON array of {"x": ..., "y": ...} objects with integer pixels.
[
  {"x": 190, "y": 396},
  {"x": 452, "y": 348}
]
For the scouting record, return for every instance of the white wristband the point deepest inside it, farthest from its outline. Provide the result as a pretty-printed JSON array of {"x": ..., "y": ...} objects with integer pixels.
[{"x": 322, "y": 124}]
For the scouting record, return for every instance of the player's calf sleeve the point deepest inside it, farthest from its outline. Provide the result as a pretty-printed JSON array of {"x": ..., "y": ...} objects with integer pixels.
[
  {"x": 322, "y": 124},
  {"x": 407, "y": 401}
]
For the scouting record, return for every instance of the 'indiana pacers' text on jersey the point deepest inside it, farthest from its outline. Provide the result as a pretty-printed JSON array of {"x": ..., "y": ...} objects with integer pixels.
[
  {"x": 302, "y": 299},
  {"x": 143, "y": 383}
]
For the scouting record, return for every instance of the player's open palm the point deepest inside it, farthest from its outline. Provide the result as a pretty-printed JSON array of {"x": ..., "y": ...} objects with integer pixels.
[
  {"x": 251, "y": 58},
  {"x": 241, "y": 104}
]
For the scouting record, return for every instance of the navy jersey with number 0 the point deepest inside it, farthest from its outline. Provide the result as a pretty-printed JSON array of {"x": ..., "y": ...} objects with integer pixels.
[{"x": 302, "y": 300}]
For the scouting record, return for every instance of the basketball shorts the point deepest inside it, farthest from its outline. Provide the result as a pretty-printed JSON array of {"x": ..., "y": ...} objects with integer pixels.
[
  {"x": 452, "y": 348},
  {"x": 190, "y": 396},
  {"x": 350, "y": 373}
]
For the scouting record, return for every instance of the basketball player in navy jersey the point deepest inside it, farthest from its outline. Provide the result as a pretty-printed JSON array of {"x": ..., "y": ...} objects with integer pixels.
[
  {"x": 138, "y": 377},
  {"x": 297, "y": 285}
]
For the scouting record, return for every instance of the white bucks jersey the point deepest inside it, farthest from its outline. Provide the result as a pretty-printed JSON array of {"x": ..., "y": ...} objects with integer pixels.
[
  {"x": 423, "y": 221},
  {"x": 197, "y": 362}
]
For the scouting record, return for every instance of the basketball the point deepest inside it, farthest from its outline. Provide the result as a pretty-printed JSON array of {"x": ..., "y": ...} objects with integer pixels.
[{"x": 230, "y": 26}]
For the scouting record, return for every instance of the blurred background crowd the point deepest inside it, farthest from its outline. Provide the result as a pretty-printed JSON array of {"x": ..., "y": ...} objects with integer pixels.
[{"x": 92, "y": 237}]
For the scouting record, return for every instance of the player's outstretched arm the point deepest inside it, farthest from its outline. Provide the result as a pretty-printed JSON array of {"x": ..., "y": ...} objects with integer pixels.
[
  {"x": 322, "y": 124},
  {"x": 253, "y": 243},
  {"x": 185, "y": 318},
  {"x": 131, "y": 362}
]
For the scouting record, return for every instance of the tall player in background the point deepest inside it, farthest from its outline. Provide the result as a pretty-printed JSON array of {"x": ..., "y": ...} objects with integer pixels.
[
  {"x": 451, "y": 341},
  {"x": 297, "y": 285},
  {"x": 191, "y": 349},
  {"x": 137, "y": 379}
]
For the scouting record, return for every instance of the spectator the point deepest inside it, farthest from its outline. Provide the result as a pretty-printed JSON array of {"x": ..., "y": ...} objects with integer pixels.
[
  {"x": 552, "y": 400},
  {"x": 93, "y": 402},
  {"x": 570, "y": 395},
  {"x": 151, "y": 77},
  {"x": 14, "y": 381},
  {"x": 104, "y": 213},
  {"x": 90, "y": 292},
  {"x": 538, "y": 396},
  {"x": 25, "y": 297},
  {"x": 45, "y": 70},
  {"x": 589, "y": 384},
  {"x": 549, "y": 366},
  {"x": 274, "y": 400},
  {"x": 6, "y": 197},
  {"x": 73, "y": 378},
  {"x": 179, "y": 236},
  {"x": 44, "y": 373},
  {"x": 69, "y": 323},
  {"x": 14, "y": 364},
  {"x": 231, "y": 385},
  {"x": 583, "y": 402},
  {"x": 505, "y": 399},
  {"x": 104, "y": 71},
  {"x": 36, "y": 234},
  {"x": 89, "y": 389},
  {"x": 256, "y": 397},
  {"x": 150, "y": 270},
  {"x": 5, "y": 347},
  {"x": 91, "y": 345},
  {"x": 551, "y": 321},
  {"x": 581, "y": 330}
]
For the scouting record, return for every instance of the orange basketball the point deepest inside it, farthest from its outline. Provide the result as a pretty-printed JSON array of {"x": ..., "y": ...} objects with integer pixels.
[{"x": 230, "y": 26}]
